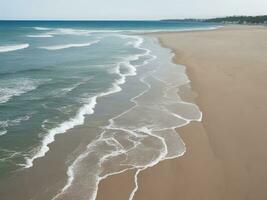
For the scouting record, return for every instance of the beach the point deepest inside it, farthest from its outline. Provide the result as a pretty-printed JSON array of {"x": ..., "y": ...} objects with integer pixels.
[{"x": 226, "y": 155}]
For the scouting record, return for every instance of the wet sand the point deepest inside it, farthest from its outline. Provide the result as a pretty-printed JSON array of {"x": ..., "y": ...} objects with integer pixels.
[{"x": 226, "y": 154}]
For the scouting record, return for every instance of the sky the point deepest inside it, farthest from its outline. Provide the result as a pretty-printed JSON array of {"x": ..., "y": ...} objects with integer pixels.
[{"x": 128, "y": 9}]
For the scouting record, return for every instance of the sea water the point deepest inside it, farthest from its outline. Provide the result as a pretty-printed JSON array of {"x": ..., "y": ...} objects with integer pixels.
[{"x": 55, "y": 76}]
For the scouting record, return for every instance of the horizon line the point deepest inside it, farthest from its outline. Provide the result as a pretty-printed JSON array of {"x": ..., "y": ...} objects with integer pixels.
[{"x": 128, "y": 20}]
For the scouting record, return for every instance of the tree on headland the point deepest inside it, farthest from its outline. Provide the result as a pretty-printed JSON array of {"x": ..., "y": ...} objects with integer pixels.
[
  {"x": 240, "y": 19},
  {"x": 230, "y": 19}
]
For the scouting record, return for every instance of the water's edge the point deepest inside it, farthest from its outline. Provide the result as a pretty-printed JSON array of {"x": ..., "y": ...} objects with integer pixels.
[{"x": 191, "y": 98}]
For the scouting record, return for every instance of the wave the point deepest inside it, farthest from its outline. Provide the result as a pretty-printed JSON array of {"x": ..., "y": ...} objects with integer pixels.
[
  {"x": 17, "y": 121},
  {"x": 74, "y": 86},
  {"x": 86, "y": 109},
  {"x": 9, "y": 48},
  {"x": 78, "y": 32},
  {"x": 3, "y": 132},
  {"x": 8, "y": 123},
  {"x": 40, "y": 36},
  {"x": 69, "y": 31},
  {"x": 8, "y": 155},
  {"x": 63, "y": 91},
  {"x": 42, "y": 28},
  {"x": 66, "y": 46},
  {"x": 15, "y": 87}
]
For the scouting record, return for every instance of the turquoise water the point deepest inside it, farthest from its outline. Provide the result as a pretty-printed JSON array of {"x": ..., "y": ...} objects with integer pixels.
[{"x": 52, "y": 75}]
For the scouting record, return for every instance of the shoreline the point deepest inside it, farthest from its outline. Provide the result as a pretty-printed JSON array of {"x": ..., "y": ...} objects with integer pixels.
[{"x": 217, "y": 163}]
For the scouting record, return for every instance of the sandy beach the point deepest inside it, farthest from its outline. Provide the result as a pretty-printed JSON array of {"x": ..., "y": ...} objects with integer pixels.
[{"x": 226, "y": 154}]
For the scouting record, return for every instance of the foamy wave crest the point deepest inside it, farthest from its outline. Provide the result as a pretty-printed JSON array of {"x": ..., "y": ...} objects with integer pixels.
[
  {"x": 8, "y": 155},
  {"x": 69, "y": 31},
  {"x": 16, "y": 87},
  {"x": 8, "y": 123},
  {"x": 9, "y": 48},
  {"x": 66, "y": 46},
  {"x": 42, "y": 28},
  {"x": 86, "y": 109},
  {"x": 17, "y": 121},
  {"x": 3, "y": 132},
  {"x": 63, "y": 91},
  {"x": 40, "y": 36}
]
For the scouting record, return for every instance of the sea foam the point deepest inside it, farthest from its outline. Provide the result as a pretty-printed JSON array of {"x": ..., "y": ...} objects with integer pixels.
[
  {"x": 12, "y": 122},
  {"x": 42, "y": 28},
  {"x": 15, "y": 87},
  {"x": 16, "y": 47},
  {"x": 66, "y": 46},
  {"x": 40, "y": 36}
]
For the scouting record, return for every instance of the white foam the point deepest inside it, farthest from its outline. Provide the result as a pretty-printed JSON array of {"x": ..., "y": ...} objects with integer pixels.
[
  {"x": 16, "y": 47},
  {"x": 80, "y": 32},
  {"x": 17, "y": 121},
  {"x": 8, "y": 123},
  {"x": 69, "y": 31},
  {"x": 66, "y": 46},
  {"x": 63, "y": 91},
  {"x": 42, "y": 28},
  {"x": 8, "y": 154},
  {"x": 16, "y": 87},
  {"x": 40, "y": 36},
  {"x": 3, "y": 132}
]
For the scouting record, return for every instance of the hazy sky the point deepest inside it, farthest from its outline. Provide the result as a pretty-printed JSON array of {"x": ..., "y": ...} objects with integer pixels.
[{"x": 127, "y": 9}]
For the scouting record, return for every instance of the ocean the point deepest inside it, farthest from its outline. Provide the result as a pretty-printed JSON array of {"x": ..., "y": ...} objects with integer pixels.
[{"x": 81, "y": 101}]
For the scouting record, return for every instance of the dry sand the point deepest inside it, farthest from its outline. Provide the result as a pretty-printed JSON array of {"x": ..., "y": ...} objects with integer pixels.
[{"x": 226, "y": 154}]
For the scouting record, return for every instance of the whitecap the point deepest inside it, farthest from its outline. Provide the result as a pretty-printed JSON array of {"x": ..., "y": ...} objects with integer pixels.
[
  {"x": 78, "y": 119},
  {"x": 42, "y": 28},
  {"x": 14, "y": 122},
  {"x": 69, "y": 31},
  {"x": 18, "y": 120},
  {"x": 66, "y": 46},
  {"x": 40, "y": 36},
  {"x": 3, "y": 132},
  {"x": 9, "y": 48},
  {"x": 63, "y": 91},
  {"x": 15, "y": 87}
]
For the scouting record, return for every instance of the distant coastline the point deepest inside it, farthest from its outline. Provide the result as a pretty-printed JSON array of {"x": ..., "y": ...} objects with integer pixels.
[{"x": 261, "y": 20}]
